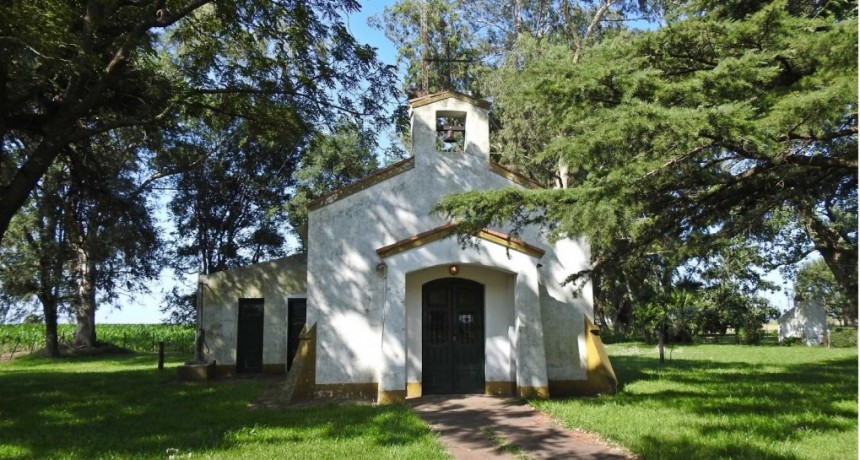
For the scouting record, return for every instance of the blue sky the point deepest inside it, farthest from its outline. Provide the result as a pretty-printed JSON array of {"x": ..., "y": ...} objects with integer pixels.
[{"x": 366, "y": 34}]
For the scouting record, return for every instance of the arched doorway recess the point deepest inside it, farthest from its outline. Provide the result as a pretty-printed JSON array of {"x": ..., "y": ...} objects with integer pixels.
[{"x": 453, "y": 336}]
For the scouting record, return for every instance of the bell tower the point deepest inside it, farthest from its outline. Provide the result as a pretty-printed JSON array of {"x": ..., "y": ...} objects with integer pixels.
[{"x": 449, "y": 123}]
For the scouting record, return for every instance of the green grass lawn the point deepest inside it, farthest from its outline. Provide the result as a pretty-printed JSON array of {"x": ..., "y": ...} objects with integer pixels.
[
  {"x": 122, "y": 407},
  {"x": 708, "y": 401},
  {"x": 725, "y": 401}
]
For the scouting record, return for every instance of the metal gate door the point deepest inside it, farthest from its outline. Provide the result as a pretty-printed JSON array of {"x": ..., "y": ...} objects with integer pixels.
[{"x": 453, "y": 337}]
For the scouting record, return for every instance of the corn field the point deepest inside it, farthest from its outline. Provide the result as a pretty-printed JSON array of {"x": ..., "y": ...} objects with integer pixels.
[{"x": 16, "y": 338}]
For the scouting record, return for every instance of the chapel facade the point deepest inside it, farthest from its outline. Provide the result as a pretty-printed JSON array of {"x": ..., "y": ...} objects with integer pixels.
[{"x": 387, "y": 303}]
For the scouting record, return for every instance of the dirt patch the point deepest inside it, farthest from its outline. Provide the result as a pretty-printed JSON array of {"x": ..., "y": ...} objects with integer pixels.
[
  {"x": 9, "y": 356},
  {"x": 275, "y": 398}
]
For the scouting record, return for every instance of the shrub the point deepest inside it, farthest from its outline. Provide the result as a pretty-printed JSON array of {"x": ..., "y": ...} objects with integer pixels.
[
  {"x": 789, "y": 341},
  {"x": 843, "y": 337},
  {"x": 751, "y": 334},
  {"x": 607, "y": 336}
]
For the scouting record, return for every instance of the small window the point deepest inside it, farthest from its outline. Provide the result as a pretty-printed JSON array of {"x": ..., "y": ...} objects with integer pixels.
[{"x": 450, "y": 131}]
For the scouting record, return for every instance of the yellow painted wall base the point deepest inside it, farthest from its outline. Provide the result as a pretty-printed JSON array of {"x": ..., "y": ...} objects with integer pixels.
[
  {"x": 500, "y": 388},
  {"x": 278, "y": 368},
  {"x": 533, "y": 392},
  {"x": 301, "y": 378},
  {"x": 413, "y": 389},
  {"x": 601, "y": 377},
  {"x": 302, "y": 374},
  {"x": 391, "y": 397}
]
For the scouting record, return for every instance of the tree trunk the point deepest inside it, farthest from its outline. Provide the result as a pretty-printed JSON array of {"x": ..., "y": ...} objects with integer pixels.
[
  {"x": 50, "y": 270},
  {"x": 85, "y": 301},
  {"x": 52, "y": 342},
  {"x": 18, "y": 189},
  {"x": 839, "y": 255},
  {"x": 843, "y": 264},
  {"x": 599, "y": 311}
]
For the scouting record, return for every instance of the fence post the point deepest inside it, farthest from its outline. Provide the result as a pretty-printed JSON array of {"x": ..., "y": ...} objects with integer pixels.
[{"x": 161, "y": 355}]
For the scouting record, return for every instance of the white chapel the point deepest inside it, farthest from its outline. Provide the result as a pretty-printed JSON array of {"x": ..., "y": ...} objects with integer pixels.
[{"x": 386, "y": 303}]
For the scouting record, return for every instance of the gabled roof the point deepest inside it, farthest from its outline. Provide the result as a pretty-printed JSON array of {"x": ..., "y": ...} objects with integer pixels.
[
  {"x": 447, "y": 230},
  {"x": 367, "y": 182},
  {"x": 513, "y": 176},
  {"x": 442, "y": 95},
  {"x": 401, "y": 167},
  {"x": 298, "y": 262}
]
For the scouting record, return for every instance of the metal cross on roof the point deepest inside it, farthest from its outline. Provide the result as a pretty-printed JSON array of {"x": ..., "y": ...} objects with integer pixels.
[{"x": 446, "y": 61}]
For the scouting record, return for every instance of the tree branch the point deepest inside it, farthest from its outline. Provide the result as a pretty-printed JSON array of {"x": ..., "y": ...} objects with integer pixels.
[
  {"x": 820, "y": 161},
  {"x": 595, "y": 20},
  {"x": 850, "y": 131},
  {"x": 167, "y": 19},
  {"x": 676, "y": 160},
  {"x": 244, "y": 90}
]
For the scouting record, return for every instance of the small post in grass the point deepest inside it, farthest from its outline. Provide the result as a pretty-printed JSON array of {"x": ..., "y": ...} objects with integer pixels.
[{"x": 161, "y": 355}]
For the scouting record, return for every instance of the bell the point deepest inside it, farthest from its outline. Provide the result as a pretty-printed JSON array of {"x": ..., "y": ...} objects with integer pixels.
[{"x": 449, "y": 130}]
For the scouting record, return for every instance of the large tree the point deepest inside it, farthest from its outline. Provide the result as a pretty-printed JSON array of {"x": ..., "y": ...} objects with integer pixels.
[
  {"x": 86, "y": 83},
  {"x": 35, "y": 257},
  {"x": 736, "y": 119},
  {"x": 85, "y": 231},
  {"x": 816, "y": 282},
  {"x": 227, "y": 206},
  {"x": 72, "y": 71},
  {"x": 108, "y": 224},
  {"x": 331, "y": 161}
]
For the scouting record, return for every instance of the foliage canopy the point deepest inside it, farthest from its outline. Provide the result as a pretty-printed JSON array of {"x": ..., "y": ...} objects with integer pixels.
[{"x": 734, "y": 120}]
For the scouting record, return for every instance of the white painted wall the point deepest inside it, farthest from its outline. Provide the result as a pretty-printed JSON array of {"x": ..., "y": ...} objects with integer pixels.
[
  {"x": 273, "y": 281},
  {"x": 562, "y": 310},
  {"x": 347, "y": 293},
  {"x": 807, "y": 321}
]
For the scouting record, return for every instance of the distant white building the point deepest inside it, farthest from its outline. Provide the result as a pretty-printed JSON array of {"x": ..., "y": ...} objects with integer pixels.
[
  {"x": 806, "y": 321},
  {"x": 396, "y": 306}
]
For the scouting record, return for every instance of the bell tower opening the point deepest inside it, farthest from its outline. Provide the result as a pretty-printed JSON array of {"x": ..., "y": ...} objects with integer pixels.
[{"x": 450, "y": 131}]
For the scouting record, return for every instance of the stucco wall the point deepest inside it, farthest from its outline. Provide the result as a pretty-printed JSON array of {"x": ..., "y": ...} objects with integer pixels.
[
  {"x": 562, "y": 311},
  {"x": 275, "y": 282},
  {"x": 344, "y": 289},
  {"x": 346, "y": 283}
]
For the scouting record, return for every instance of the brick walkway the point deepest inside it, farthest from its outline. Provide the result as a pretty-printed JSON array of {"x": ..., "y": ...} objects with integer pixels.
[{"x": 479, "y": 427}]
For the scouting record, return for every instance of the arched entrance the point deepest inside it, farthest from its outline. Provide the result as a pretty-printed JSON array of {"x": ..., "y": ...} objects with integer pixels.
[{"x": 452, "y": 336}]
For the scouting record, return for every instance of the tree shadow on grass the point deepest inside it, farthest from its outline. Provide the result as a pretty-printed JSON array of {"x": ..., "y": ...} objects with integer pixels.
[
  {"x": 146, "y": 414},
  {"x": 724, "y": 401}
]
